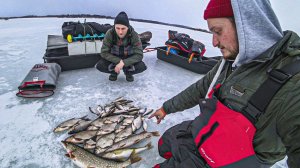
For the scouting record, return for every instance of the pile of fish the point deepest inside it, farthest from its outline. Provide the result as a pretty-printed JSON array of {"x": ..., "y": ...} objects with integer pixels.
[{"x": 105, "y": 141}]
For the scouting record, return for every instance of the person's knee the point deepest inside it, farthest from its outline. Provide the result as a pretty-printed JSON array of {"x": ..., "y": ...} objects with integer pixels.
[
  {"x": 102, "y": 66},
  {"x": 141, "y": 66}
]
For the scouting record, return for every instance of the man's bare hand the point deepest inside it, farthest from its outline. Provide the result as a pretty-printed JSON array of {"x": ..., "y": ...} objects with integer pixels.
[
  {"x": 119, "y": 66},
  {"x": 159, "y": 115}
]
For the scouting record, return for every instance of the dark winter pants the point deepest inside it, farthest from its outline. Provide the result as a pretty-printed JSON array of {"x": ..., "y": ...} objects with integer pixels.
[
  {"x": 108, "y": 67},
  {"x": 178, "y": 148}
]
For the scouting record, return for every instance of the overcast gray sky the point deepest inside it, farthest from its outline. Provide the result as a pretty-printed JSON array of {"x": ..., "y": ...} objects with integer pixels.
[{"x": 185, "y": 12}]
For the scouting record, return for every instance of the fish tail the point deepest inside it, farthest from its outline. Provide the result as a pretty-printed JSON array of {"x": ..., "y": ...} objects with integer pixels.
[
  {"x": 156, "y": 133},
  {"x": 85, "y": 118},
  {"x": 134, "y": 157},
  {"x": 149, "y": 146}
]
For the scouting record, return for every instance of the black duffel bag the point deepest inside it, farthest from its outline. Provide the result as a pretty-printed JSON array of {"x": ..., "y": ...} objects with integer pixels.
[{"x": 76, "y": 28}]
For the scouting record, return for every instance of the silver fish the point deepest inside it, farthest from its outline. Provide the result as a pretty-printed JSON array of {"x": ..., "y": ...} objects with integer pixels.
[
  {"x": 118, "y": 106},
  {"x": 119, "y": 99},
  {"x": 145, "y": 126},
  {"x": 85, "y": 159},
  {"x": 119, "y": 128},
  {"x": 90, "y": 144},
  {"x": 108, "y": 111},
  {"x": 92, "y": 128},
  {"x": 99, "y": 122},
  {"x": 142, "y": 111},
  {"x": 120, "y": 111},
  {"x": 80, "y": 126},
  {"x": 66, "y": 125},
  {"x": 107, "y": 128},
  {"x": 125, "y": 102},
  {"x": 128, "y": 142},
  {"x": 124, "y": 134},
  {"x": 81, "y": 136},
  {"x": 113, "y": 119},
  {"x": 106, "y": 140},
  {"x": 133, "y": 112},
  {"x": 128, "y": 121},
  {"x": 131, "y": 109},
  {"x": 137, "y": 123},
  {"x": 148, "y": 112},
  {"x": 122, "y": 155}
]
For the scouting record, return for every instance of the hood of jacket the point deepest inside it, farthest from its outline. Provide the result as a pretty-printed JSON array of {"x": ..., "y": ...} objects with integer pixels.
[{"x": 258, "y": 29}]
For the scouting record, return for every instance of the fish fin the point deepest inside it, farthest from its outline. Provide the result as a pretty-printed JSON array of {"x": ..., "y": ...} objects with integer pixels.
[
  {"x": 92, "y": 111},
  {"x": 68, "y": 139},
  {"x": 78, "y": 139},
  {"x": 134, "y": 158},
  {"x": 71, "y": 132},
  {"x": 137, "y": 141},
  {"x": 123, "y": 144},
  {"x": 107, "y": 122},
  {"x": 149, "y": 146},
  {"x": 72, "y": 129},
  {"x": 70, "y": 155},
  {"x": 156, "y": 133},
  {"x": 85, "y": 118},
  {"x": 148, "y": 112}
]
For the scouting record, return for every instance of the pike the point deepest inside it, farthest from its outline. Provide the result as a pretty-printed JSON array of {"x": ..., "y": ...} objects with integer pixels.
[
  {"x": 85, "y": 159},
  {"x": 66, "y": 125}
]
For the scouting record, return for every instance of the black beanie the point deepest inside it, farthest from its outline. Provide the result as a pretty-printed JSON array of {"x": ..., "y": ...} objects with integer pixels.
[{"x": 122, "y": 18}]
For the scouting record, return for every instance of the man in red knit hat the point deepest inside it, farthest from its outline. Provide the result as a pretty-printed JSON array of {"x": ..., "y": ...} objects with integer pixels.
[{"x": 249, "y": 102}]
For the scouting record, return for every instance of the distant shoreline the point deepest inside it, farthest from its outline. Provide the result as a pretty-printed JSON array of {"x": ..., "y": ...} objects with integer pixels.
[{"x": 105, "y": 17}]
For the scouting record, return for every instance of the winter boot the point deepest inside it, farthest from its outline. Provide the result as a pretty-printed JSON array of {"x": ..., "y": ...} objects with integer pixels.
[
  {"x": 129, "y": 78},
  {"x": 113, "y": 77}
]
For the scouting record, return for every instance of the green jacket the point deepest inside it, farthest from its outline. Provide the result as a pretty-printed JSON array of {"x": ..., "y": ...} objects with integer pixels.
[
  {"x": 278, "y": 129},
  {"x": 131, "y": 42}
]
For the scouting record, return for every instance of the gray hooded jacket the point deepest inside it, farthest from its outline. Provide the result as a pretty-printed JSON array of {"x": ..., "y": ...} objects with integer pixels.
[{"x": 262, "y": 46}]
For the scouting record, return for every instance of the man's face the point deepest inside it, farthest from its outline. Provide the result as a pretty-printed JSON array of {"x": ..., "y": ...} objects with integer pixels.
[
  {"x": 224, "y": 36},
  {"x": 121, "y": 30}
]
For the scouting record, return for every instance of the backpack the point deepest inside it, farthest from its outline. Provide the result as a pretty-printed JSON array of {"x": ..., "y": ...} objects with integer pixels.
[{"x": 183, "y": 42}]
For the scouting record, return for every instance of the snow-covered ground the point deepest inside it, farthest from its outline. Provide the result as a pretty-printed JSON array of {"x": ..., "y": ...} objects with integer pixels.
[{"x": 26, "y": 137}]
